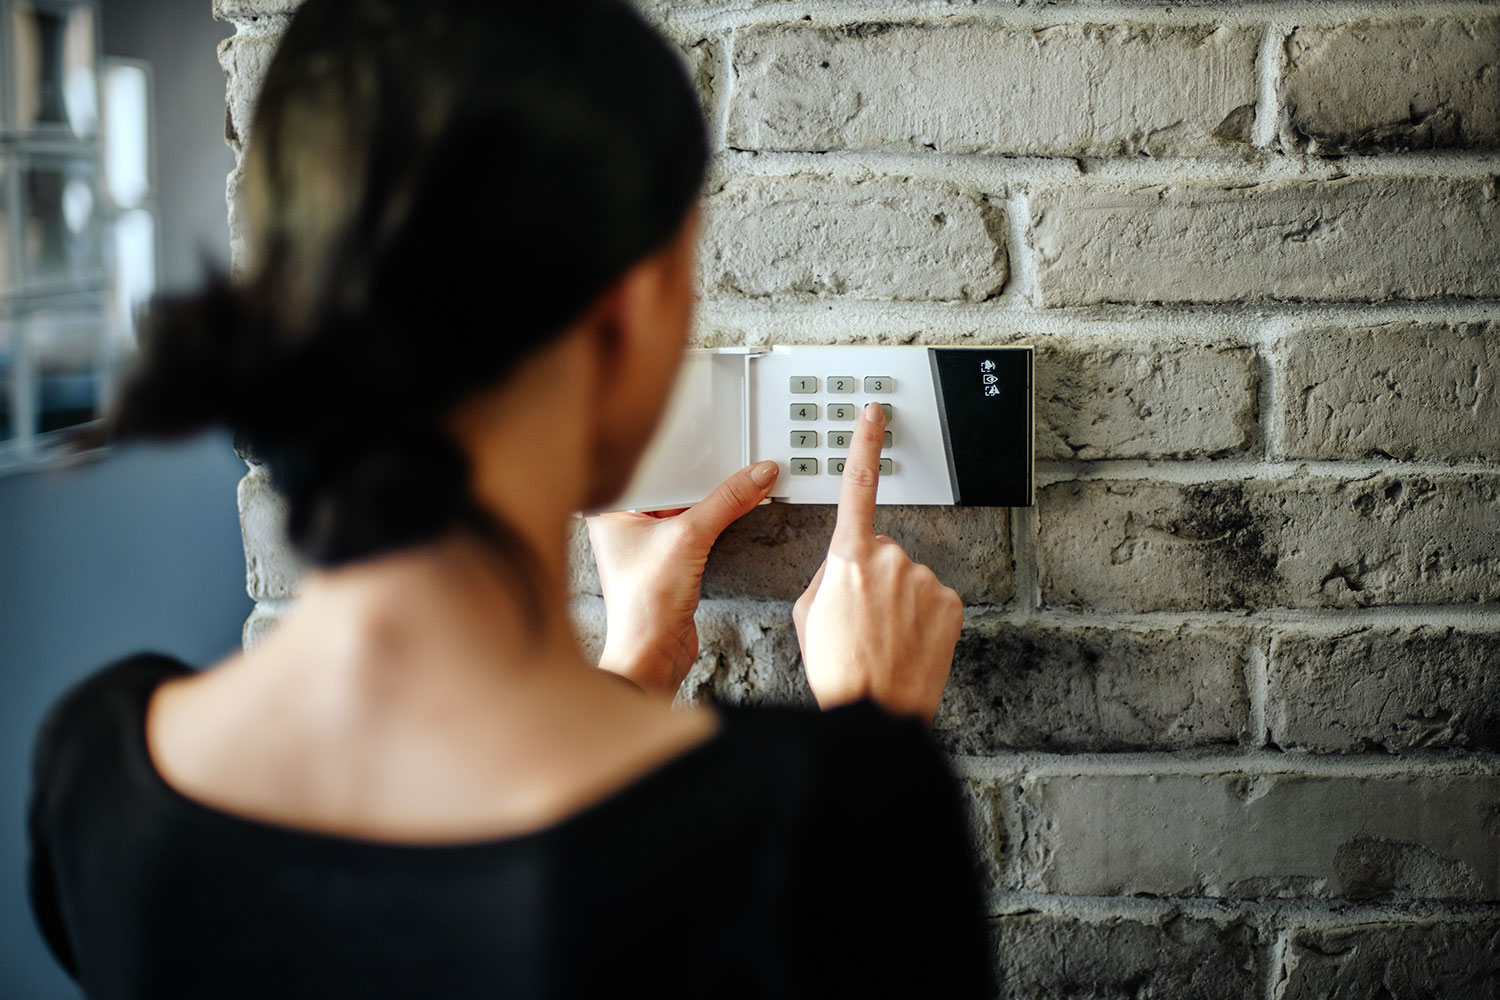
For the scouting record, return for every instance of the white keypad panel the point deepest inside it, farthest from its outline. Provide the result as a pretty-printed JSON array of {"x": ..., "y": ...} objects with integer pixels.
[
  {"x": 821, "y": 392},
  {"x": 797, "y": 406},
  {"x": 701, "y": 441}
]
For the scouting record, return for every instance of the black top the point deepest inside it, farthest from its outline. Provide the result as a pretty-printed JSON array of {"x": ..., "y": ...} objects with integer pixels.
[{"x": 794, "y": 854}]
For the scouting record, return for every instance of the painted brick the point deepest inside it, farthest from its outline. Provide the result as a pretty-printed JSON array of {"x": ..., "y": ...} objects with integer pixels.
[
  {"x": 1299, "y": 542},
  {"x": 1385, "y": 688},
  {"x": 1130, "y": 400},
  {"x": 245, "y": 59},
  {"x": 984, "y": 804},
  {"x": 773, "y": 551},
  {"x": 583, "y": 575},
  {"x": 1434, "y": 961},
  {"x": 1374, "y": 85},
  {"x": 1249, "y": 836},
  {"x": 1355, "y": 239},
  {"x": 748, "y": 655},
  {"x": 1405, "y": 390},
  {"x": 587, "y": 613},
  {"x": 1040, "y": 687},
  {"x": 263, "y": 618},
  {"x": 701, "y": 61},
  {"x": 1175, "y": 957},
  {"x": 747, "y": 652},
  {"x": 251, "y": 10},
  {"x": 239, "y": 240},
  {"x": 1068, "y": 90},
  {"x": 887, "y": 239},
  {"x": 272, "y": 569}
]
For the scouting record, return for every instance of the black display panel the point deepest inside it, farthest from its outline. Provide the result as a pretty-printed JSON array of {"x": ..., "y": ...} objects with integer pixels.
[{"x": 984, "y": 405}]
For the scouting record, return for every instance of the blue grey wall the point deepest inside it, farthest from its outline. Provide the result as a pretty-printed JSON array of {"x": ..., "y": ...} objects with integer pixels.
[{"x": 139, "y": 550}]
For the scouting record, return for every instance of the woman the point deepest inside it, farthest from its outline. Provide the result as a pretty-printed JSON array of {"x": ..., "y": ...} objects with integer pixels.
[{"x": 472, "y": 230}]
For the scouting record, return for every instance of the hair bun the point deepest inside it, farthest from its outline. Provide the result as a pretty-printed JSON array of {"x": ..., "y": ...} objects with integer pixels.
[
  {"x": 369, "y": 489},
  {"x": 202, "y": 362}
]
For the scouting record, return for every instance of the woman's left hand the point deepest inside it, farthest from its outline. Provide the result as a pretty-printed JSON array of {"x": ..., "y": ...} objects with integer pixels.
[{"x": 651, "y": 572}]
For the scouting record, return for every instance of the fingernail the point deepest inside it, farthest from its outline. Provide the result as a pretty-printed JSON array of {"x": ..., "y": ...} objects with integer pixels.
[
  {"x": 762, "y": 473},
  {"x": 873, "y": 412}
]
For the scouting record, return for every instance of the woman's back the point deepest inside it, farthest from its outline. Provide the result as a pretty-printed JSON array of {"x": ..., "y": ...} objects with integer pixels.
[{"x": 790, "y": 854}]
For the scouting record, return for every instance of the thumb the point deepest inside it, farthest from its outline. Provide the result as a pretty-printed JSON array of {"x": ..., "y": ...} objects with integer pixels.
[{"x": 735, "y": 497}]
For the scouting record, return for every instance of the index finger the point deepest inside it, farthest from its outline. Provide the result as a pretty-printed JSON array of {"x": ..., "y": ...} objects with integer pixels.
[{"x": 856, "y": 517}]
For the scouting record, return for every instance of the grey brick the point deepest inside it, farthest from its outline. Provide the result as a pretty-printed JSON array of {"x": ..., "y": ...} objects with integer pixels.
[
  {"x": 1069, "y": 90},
  {"x": 1432, "y": 961},
  {"x": 1176, "y": 957},
  {"x": 1355, "y": 239},
  {"x": 1405, "y": 390},
  {"x": 272, "y": 569},
  {"x": 251, "y": 10},
  {"x": 1300, "y": 542},
  {"x": 984, "y": 805},
  {"x": 772, "y": 552},
  {"x": 239, "y": 236},
  {"x": 1041, "y": 687},
  {"x": 1099, "y": 400},
  {"x": 1389, "y": 688},
  {"x": 1259, "y": 836},
  {"x": 583, "y": 575},
  {"x": 1375, "y": 85},
  {"x": 245, "y": 59},
  {"x": 747, "y": 652},
  {"x": 748, "y": 655},
  {"x": 701, "y": 61},
  {"x": 887, "y": 239},
  {"x": 263, "y": 618},
  {"x": 587, "y": 614}
]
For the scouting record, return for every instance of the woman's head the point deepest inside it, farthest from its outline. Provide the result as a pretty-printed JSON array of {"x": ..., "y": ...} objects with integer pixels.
[{"x": 432, "y": 192}]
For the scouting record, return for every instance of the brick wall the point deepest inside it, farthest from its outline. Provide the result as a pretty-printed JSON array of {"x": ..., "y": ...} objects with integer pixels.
[{"x": 1228, "y": 701}]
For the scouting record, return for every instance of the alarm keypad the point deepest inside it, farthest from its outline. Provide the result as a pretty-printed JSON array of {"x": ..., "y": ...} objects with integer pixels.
[{"x": 838, "y": 438}]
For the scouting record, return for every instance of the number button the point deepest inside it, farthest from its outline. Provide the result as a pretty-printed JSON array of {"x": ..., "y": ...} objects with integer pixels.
[
  {"x": 879, "y": 383},
  {"x": 836, "y": 466},
  {"x": 804, "y": 411},
  {"x": 804, "y": 439},
  {"x": 841, "y": 383},
  {"x": 804, "y": 384},
  {"x": 840, "y": 411},
  {"x": 804, "y": 466},
  {"x": 841, "y": 439}
]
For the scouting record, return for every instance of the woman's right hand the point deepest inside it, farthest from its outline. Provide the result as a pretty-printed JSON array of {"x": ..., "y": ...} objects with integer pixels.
[{"x": 873, "y": 623}]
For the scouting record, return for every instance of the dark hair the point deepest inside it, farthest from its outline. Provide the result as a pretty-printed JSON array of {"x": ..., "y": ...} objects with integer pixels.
[{"x": 432, "y": 190}]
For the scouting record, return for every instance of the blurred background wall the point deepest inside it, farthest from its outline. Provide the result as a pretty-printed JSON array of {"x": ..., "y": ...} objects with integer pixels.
[{"x": 140, "y": 549}]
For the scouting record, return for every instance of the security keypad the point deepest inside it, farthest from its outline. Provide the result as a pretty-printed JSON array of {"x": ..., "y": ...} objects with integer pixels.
[
  {"x": 833, "y": 426},
  {"x": 958, "y": 424}
]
